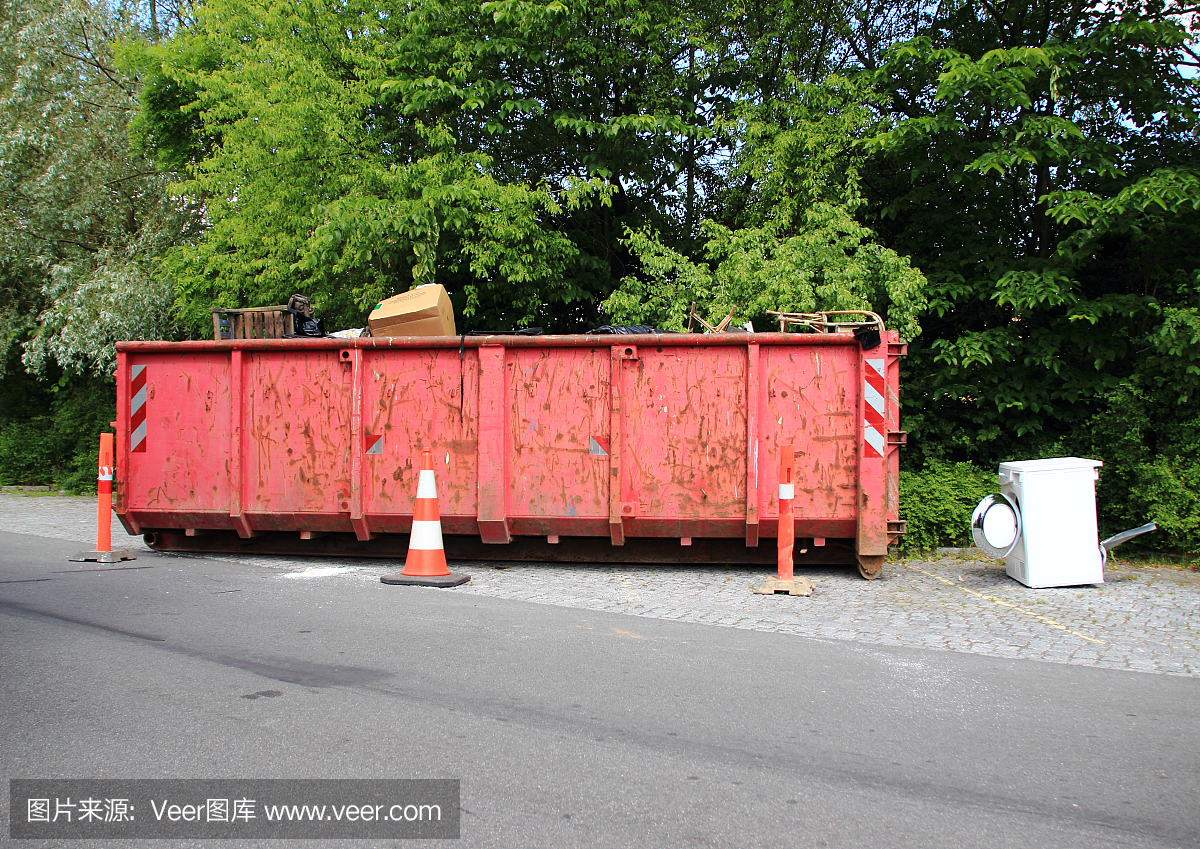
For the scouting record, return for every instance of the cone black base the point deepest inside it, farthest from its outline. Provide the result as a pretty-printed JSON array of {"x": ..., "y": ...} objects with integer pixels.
[{"x": 451, "y": 580}]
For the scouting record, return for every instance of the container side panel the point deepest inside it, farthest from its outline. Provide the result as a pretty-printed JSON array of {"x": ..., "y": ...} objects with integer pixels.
[
  {"x": 416, "y": 399},
  {"x": 183, "y": 460},
  {"x": 685, "y": 433},
  {"x": 298, "y": 417},
  {"x": 666, "y": 452},
  {"x": 559, "y": 432},
  {"x": 812, "y": 400}
]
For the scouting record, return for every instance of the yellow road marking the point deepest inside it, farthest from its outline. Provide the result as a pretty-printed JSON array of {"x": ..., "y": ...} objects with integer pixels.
[
  {"x": 626, "y": 634},
  {"x": 1045, "y": 619}
]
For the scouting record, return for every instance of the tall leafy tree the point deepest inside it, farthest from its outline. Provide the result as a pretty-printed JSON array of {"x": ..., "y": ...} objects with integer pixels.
[
  {"x": 503, "y": 148},
  {"x": 357, "y": 149},
  {"x": 1042, "y": 171},
  {"x": 788, "y": 239},
  {"x": 84, "y": 218}
]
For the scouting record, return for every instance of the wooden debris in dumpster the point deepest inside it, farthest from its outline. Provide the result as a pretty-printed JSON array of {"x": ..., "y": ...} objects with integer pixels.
[
  {"x": 296, "y": 318},
  {"x": 828, "y": 321},
  {"x": 253, "y": 323},
  {"x": 306, "y": 321},
  {"x": 708, "y": 328}
]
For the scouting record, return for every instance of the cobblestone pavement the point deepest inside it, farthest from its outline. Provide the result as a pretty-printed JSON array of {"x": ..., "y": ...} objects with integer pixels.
[{"x": 1144, "y": 619}]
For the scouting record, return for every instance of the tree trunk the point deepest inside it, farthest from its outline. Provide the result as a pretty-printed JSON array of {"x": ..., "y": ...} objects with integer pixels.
[{"x": 1041, "y": 221}]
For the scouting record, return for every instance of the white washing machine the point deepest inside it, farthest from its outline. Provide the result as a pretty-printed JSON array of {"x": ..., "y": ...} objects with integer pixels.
[{"x": 1043, "y": 523}]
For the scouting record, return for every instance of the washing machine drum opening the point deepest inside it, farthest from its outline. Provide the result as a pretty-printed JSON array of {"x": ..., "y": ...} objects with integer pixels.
[{"x": 996, "y": 525}]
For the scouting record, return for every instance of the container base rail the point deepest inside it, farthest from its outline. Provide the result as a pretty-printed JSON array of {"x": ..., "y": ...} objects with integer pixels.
[{"x": 462, "y": 547}]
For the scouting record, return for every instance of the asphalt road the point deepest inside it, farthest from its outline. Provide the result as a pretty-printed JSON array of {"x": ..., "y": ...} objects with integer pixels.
[{"x": 577, "y": 728}]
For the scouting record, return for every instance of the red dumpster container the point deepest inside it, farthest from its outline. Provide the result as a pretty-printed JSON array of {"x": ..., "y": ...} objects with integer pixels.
[{"x": 546, "y": 448}]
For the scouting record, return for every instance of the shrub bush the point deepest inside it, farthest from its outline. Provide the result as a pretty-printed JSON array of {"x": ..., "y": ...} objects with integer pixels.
[
  {"x": 1150, "y": 473},
  {"x": 1168, "y": 492},
  {"x": 937, "y": 502},
  {"x": 28, "y": 451},
  {"x": 59, "y": 448}
]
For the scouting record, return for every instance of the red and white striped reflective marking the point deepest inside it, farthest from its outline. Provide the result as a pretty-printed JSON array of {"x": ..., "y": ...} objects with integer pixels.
[
  {"x": 374, "y": 444},
  {"x": 874, "y": 408},
  {"x": 104, "y": 480},
  {"x": 137, "y": 409}
]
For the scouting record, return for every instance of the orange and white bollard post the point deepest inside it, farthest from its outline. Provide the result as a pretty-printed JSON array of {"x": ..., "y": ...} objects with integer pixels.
[
  {"x": 104, "y": 488},
  {"x": 787, "y": 515},
  {"x": 425, "y": 565},
  {"x": 786, "y": 580}
]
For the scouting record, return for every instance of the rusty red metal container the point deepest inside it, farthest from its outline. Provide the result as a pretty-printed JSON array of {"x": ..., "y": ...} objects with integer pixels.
[{"x": 551, "y": 447}]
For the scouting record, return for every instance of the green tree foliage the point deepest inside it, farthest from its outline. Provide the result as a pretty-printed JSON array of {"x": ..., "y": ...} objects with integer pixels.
[
  {"x": 359, "y": 149},
  {"x": 49, "y": 428},
  {"x": 1042, "y": 172},
  {"x": 84, "y": 219},
  {"x": 938, "y": 501},
  {"x": 1151, "y": 471},
  {"x": 506, "y": 149},
  {"x": 800, "y": 247}
]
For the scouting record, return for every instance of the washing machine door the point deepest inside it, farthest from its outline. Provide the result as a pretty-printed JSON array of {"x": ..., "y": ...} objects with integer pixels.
[{"x": 996, "y": 525}]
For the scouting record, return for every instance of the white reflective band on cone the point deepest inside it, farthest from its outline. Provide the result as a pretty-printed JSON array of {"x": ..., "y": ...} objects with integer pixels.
[
  {"x": 426, "y": 536},
  {"x": 426, "y": 484},
  {"x": 787, "y": 491}
]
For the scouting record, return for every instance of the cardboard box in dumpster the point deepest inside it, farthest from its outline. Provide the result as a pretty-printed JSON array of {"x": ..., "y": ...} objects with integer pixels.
[{"x": 424, "y": 311}]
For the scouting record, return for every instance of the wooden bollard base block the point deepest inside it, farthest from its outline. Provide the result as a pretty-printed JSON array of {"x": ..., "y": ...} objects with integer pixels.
[{"x": 796, "y": 586}]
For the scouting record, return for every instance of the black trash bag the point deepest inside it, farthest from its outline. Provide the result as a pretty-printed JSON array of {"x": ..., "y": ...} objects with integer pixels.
[
  {"x": 309, "y": 326},
  {"x": 304, "y": 318},
  {"x": 868, "y": 337},
  {"x": 624, "y": 329}
]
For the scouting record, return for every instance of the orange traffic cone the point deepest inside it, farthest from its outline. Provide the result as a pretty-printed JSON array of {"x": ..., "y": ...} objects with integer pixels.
[{"x": 425, "y": 565}]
